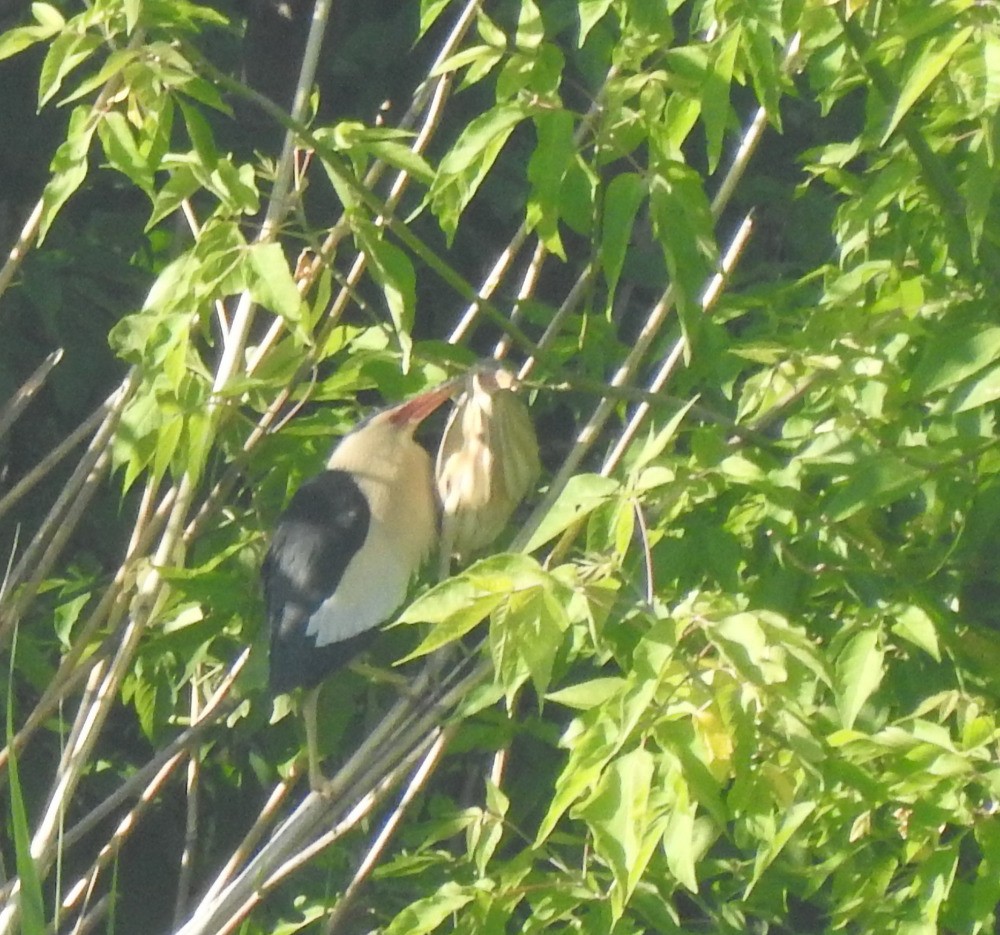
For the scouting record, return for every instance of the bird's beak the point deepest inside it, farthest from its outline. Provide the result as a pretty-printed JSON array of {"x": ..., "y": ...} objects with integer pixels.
[{"x": 415, "y": 410}]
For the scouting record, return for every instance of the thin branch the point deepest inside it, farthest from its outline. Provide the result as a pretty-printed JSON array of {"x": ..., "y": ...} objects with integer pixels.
[
  {"x": 381, "y": 841},
  {"x": 62, "y": 516},
  {"x": 27, "y": 391},
  {"x": 49, "y": 461},
  {"x": 191, "y": 820},
  {"x": 708, "y": 299}
]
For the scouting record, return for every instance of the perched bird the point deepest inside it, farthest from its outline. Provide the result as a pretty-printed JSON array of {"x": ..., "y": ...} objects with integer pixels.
[
  {"x": 344, "y": 551},
  {"x": 487, "y": 462}
]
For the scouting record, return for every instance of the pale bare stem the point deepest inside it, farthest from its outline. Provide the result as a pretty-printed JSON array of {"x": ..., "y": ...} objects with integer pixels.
[
  {"x": 62, "y": 516},
  {"x": 508, "y": 254},
  {"x": 490, "y": 284},
  {"x": 380, "y": 786},
  {"x": 588, "y": 434},
  {"x": 103, "y": 686},
  {"x": 92, "y": 715},
  {"x": 568, "y": 306},
  {"x": 191, "y": 822},
  {"x": 85, "y": 885},
  {"x": 741, "y": 159},
  {"x": 20, "y": 249},
  {"x": 383, "y": 781},
  {"x": 374, "y": 174},
  {"x": 401, "y": 732},
  {"x": 627, "y": 371},
  {"x": 253, "y": 837},
  {"x": 278, "y": 206},
  {"x": 40, "y": 470},
  {"x": 27, "y": 391},
  {"x": 751, "y": 137},
  {"x": 498, "y": 766},
  {"x": 147, "y": 782},
  {"x": 232, "y": 912},
  {"x": 217, "y": 706},
  {"x": 88, "y": 921},
  {"x": 72, "y": 671},
  {"x": 431, "y": 121},
  {"x": 375, "y": 850},
  {"x": 712, "y": 291},
  {"x": 528, "y": 285},
  {"x": 647, "y": 551}
]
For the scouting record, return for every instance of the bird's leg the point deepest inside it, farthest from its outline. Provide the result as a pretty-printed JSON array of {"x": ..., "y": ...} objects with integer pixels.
[{"x": 316, "y": 778}]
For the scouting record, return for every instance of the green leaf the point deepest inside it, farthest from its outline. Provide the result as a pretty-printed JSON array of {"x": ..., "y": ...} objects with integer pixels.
[
  {"x": 465, "y": 165},
  {"x": 430, "y": 10},
  {"x": 425, "y": 915},
  {"x": 482, "y": 135},
  {"x": 586, "y": 695},
  {"x": 547, "y": 168},
  {"x": 682, "y": 221},
  {"x": 272, "y": 284},
  {"x": 48, "y": 16},
  {"x": 933, "y": 60},
  {"x": 525, "y": 635},
  {"x": 857, "y": 674},
  {"x": 167, "y": 440},
  {"x": 69, "y": 167},
  {"x": 619, "y": 813},
  {"x": 875, "y": 480},
  {"x": 914, "y": 625},
  {"x": 679, "y": 839},
  {"x": 715, "y": 108},
  {"x": 451, "y": 627},
  {"x": 68, "y": 51},
  {"x": 624, "y": 194},
  {"x": 181, "y": 185},
  {"x": 979, "y": 390},
  {"x": 954, "y": 355},
  {"x": 591, "y": 12},
  {"x": 582, "y": 494},
  {"x": 530, "y": 28},
  {"x": 122, "y": 152},
  {"x": 23, "y": 37},
  {"x": 472, "y": 55},
  {"x": 793, "y": 820},
  {"x": 592, "y": 740}
]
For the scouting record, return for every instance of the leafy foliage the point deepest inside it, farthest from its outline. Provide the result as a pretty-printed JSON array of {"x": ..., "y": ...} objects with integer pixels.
[{"x": 736, "y": 668}]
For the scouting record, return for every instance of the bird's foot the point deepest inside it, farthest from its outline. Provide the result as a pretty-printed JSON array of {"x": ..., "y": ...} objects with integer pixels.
[{"x": 317, "y": 780}]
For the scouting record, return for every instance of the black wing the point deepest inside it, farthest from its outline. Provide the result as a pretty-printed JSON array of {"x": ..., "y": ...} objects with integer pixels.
[{"x": 316, "y": 537}]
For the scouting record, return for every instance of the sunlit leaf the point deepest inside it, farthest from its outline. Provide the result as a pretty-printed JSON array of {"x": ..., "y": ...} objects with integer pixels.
[
  {"x": 858, "y": 671},
  {"x": 933, "y": 60},
  {"x": 621, "y": 203},
  {"x": 581, "y": 495}
]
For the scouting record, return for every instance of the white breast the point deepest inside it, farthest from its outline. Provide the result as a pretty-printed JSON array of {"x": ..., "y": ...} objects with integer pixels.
[{"x": 402, "y": 529}]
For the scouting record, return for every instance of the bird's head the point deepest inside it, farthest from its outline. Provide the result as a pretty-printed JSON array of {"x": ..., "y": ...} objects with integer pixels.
[{"x": 387, "y": 435}]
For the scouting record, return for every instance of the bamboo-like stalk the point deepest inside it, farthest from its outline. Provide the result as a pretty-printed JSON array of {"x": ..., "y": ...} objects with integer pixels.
[
  {"x": 191, "y": 798},
  {"x": 673, "y": 358},
  {"x": 358, "y": 786},
  {"x": 27, "y": 392},
  {"x": 73, "y": 669},
  {"x": 58, "y": 524},
  {"x": 418, "y": 780},
  {"x": 41, "y": 470},
  {"x": 628, "y": 370}
]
